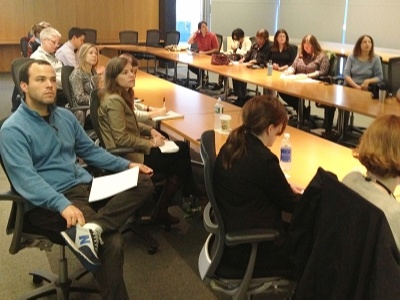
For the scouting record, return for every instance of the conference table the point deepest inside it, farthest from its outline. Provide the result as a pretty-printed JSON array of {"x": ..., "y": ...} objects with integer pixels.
[
  {"x": 341, "y": 97},
  {"x": 309, "y": 151}
]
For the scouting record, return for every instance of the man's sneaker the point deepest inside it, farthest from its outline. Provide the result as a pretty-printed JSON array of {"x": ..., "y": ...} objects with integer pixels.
[{"x": 84, "y": 244}]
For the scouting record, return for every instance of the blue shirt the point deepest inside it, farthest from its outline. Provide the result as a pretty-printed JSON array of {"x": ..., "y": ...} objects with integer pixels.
[
  {"x": 41, "y": 157},
  {"x": 361, "y": 70}
]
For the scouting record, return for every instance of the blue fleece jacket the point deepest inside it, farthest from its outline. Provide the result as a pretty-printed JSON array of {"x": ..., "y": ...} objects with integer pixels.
[{"x": 41, "y": 158}]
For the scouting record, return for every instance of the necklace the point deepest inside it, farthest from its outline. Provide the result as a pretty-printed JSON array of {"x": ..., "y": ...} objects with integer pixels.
[{"x": 368, "y": 178}]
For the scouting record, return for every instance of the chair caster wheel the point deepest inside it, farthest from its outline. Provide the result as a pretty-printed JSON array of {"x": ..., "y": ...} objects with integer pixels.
[{"x": 37, "y": 279}]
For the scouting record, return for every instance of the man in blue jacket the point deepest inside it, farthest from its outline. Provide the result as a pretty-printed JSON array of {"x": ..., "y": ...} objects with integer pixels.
[{"x": 39, "y": 145}]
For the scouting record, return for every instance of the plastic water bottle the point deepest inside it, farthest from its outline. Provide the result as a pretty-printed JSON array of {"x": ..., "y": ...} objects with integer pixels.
[
  {"x": 269, "y": 66},
  {"x": 218, "y": 111},
  {"x": 286, "y": 153}
]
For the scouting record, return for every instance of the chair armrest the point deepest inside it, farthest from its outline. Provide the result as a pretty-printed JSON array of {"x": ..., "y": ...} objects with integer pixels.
[
  {"x": 251, "y": 236},
  {"x": 210, "y": 226},
  {"x": 16, "y": 220},
  {"x": 75, "y": 108},
  {"x": 12, "y": 196},
  {"x": 125, "y": 150}
]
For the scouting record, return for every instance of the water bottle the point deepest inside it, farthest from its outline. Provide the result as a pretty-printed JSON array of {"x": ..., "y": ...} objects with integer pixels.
[
  {"x": 286, "y": 153},
  {"x": 269, "y": 66},
  {"x": 218, "y": 111}
]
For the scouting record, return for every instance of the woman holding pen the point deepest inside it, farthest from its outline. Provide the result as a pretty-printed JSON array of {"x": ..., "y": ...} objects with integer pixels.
[{"x": 120, "y": 128}]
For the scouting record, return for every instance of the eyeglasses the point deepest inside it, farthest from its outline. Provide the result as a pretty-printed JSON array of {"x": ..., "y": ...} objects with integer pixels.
[{"x": 53, "y": 42}]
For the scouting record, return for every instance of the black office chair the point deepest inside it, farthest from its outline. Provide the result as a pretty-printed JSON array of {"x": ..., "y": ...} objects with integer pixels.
[
  {"x": 171, "y": 38},
  {"x": 228, "y": 279},
  {"x": 25, "y": 235},
  {"x": 129, "y": 37},
  {"x": 342, "y": 245},
  {"x": 393, "y": 75},
  {"x": 133, "y": 226},
  {"x": 17, "y": 94},
  {"x": 23, "y": 43},
  {"x": 152, "y": 40},
  {"x": 80, "y": 111},
  {"x": 90, "y": 35}
]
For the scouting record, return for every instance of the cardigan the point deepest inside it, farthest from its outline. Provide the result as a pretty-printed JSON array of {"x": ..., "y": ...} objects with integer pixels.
[{"x": 120, "y": 128}]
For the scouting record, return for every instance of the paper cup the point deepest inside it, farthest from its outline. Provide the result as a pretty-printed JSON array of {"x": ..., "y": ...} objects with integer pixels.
[{"x": 225, "y": 122}]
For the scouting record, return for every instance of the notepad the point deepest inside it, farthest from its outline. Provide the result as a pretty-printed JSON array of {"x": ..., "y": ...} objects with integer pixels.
[
  {"x": 169, "y": 147},
  {"x": 106, "y": 186},
  {"x": 170, "y": 115}
]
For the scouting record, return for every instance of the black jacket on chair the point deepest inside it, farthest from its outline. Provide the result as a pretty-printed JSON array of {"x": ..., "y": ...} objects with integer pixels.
[{"x": 343, "y": 247}]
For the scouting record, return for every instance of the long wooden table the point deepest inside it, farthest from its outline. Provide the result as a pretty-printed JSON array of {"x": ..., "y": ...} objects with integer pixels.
[
  {"x": 309, "y": 151},
  {"x": 343, "y": 98}
]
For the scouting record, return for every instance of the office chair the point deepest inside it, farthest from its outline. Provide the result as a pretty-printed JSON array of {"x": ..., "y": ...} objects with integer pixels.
[
  {"x": 150, "y": 243},
  {"x": 90, "y": 35},
  {"x": 23, "y": 43},
  {"x": 25, "y": 235},
  {"x": 152, "y": 40},
  {"x": 80, "y": 111},
  {"x": 228, "y": 279},
  {"x": 393, "y": 75},
  {"x": 129, "y": 37},
  {"x": 342, "y": 245},
  {"x": 17, "y": 94},
  {"x": 171, "y": 38}
]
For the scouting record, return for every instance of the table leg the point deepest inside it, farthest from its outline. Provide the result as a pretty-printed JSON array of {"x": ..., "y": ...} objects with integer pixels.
[{"x": 300, "y": 113}]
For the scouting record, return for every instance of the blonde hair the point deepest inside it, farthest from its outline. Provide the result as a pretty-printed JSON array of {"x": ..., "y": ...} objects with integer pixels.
[
  {"x": 379, "y": 149},
  {"x": 82, "y": 53}
]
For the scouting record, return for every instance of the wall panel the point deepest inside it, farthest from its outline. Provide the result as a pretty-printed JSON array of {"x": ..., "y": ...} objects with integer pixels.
[
  {"x": 250, "y": 15},
  {"x": 11, "y": 27},
  {"x": 322, "y": 18},
  {"x": 377, "y": 18}
]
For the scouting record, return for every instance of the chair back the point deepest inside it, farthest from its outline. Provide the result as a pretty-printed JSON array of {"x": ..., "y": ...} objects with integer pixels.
[
  {"x": 23, "y": 43},
  {"x": 65, "y": 73},
  {"x": 90, "y": 35},
  {"x": 220, "y": 39},
  {"x": 253, "y": 40},
  {"x": 332, "y": 63},
  {"x": 208, "y": 156},
  {"x": 172, "y": 37},
  {"x": 94, "y": 114},
  {"x": 153, "y": 37},
  {"x": 15, "y": 65},
  {"x": 129, "y": 37},
  {"x": 393, "y": 75}
]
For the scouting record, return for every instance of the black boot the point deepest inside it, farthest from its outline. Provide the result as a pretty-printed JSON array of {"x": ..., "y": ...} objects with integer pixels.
[{"x": 160, "y": 214}]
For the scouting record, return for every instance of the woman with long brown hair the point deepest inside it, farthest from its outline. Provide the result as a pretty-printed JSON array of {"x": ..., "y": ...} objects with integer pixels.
[
  {"x": 251, "y": 188},
  {"x": 120, "y": 128}
]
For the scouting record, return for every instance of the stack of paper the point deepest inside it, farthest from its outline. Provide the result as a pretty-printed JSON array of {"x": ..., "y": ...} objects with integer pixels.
[
  {"x": 169, "y": 147},
  {"x": 170, "y": 115}
]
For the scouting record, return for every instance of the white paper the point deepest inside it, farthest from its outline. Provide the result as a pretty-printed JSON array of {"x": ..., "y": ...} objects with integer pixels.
[
  {"x": 169, "y": 147},
  {"x": 170, "y": 115},
  {"x": 106, "y": 186}
]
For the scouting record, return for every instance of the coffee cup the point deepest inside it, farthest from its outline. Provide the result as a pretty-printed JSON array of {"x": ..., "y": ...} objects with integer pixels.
[{"x": 225, "y": 122}]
